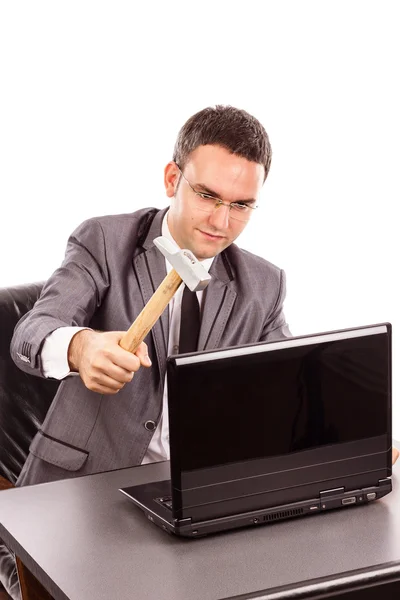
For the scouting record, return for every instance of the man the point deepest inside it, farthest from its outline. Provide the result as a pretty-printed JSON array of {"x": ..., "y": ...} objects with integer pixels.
[
  {"x": 111, "y": 268},
  {"x": 113, "y": 414}
]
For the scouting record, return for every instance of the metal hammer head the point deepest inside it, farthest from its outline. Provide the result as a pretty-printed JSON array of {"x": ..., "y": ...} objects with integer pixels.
[{"x": 185, "y": 263}]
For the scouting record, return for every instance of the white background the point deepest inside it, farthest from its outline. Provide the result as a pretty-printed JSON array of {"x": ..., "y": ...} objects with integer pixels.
[{"x": 94, "y": 93}]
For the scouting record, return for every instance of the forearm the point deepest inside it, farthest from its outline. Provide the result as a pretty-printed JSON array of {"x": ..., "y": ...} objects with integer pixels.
[
  {"x": 28, "y": 340},
  {"x": 69, "y": 298},
  {"x": 76, "y": 348}
]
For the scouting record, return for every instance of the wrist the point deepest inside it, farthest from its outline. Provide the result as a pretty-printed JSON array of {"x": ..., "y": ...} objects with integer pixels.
[{"x": 76, "y": 348}]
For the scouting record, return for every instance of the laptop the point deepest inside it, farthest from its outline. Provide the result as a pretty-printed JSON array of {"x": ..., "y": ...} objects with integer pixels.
[{"x": 274, "y": 430}]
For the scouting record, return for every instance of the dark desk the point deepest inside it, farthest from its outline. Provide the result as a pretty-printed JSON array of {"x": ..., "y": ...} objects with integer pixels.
[{"x": 84, "y": 540}]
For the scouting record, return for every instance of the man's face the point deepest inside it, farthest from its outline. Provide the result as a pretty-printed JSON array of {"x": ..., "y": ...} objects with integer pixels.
[{"x": 215, "y": 171}]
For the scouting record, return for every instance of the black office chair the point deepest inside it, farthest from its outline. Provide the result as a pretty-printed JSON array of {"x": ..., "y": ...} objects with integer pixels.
[{"x": 24, "y": 401}]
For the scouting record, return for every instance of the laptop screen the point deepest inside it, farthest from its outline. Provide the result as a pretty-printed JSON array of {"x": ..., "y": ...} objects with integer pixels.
[{"x": 270, "y": 399}]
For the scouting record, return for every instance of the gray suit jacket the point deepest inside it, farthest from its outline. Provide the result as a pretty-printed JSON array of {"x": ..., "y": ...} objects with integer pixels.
[{"x": 111, "y": 269}]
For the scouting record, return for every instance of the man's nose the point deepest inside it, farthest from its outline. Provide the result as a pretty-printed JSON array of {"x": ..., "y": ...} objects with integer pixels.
[{"x": 219, "y": 218}]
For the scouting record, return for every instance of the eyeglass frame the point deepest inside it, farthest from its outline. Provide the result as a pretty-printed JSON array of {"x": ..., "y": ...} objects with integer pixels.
[{"x": 218, "y": 201}]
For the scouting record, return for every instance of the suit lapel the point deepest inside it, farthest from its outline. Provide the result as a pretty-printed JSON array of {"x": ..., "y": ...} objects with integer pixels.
[
  {"x": 218, "y": 302},
  {"x": 151, "y": 270},
  {"x": 219, "y": 296}
]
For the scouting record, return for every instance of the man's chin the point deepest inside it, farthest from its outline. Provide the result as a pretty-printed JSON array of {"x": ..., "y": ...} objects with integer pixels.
[
  {"x": 206, "y": 247},
  {"x": 203, "y": 253}
]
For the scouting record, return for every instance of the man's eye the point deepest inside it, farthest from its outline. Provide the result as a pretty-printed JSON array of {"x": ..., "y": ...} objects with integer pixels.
[
  {"x": 241, "y": 205},
  {"x": 205, "y": 196}
]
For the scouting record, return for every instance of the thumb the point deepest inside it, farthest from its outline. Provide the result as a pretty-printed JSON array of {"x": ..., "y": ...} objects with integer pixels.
[
  {"x": 143, "y": 355},
  {"x": 117, "y": 335}
]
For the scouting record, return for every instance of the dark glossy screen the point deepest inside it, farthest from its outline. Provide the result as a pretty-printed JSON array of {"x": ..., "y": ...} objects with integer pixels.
[{"x": 281, "y": 401}]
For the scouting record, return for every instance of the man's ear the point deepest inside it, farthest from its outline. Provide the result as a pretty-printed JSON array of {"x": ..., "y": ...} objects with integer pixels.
[{"x": 171, "y": 178}]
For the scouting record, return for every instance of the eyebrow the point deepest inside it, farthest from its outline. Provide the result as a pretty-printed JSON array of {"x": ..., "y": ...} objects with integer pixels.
[{"x": 207, "y": 190}]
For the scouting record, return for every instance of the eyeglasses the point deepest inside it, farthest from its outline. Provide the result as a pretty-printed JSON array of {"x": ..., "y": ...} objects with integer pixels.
[{"x": 240, "y": 211}]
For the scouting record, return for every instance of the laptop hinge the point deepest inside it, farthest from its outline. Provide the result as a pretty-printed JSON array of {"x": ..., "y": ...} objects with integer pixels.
[{"x": 332, "y": 492}]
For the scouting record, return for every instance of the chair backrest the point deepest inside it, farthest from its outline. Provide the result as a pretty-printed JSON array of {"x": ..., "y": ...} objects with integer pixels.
[{"x": 24, "y": 399}]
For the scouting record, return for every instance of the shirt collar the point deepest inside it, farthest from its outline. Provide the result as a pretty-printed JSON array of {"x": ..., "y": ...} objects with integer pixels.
[{"x": 165, "y": 232}]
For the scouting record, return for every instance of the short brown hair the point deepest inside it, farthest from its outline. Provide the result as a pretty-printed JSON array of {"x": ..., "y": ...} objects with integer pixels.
[{"x": 226, "y": 126}]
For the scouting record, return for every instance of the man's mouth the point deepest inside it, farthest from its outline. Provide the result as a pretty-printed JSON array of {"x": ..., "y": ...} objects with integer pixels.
[{"x": 211, "y": 236}]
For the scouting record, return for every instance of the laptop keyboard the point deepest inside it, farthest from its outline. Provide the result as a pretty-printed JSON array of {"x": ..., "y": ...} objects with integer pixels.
[{"x": 166, "y": 501}]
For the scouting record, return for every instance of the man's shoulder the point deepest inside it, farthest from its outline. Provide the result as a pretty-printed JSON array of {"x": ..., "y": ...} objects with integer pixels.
[
  {"x": 133, "y": 225},
  {"x": 125, "y": 220}
]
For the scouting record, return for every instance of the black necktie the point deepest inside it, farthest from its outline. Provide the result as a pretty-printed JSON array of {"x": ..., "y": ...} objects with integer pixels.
[{"x": 190, "y": 322}]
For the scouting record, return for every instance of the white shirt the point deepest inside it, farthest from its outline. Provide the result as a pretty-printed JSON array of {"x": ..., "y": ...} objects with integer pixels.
[{"x": 55, "y": 358}]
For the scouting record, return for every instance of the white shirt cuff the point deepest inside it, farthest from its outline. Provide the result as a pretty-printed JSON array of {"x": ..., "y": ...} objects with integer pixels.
[{"x": 54, "y": 353}]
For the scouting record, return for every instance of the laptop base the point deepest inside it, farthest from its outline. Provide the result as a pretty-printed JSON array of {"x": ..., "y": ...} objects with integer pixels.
[{"x": 151, "y": 499}]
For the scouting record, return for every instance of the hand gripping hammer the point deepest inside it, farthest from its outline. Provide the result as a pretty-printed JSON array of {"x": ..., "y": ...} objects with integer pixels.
[{"x": 186, "y": 268}]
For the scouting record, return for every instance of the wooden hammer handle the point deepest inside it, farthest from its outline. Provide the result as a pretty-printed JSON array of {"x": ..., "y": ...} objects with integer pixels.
[{"x": 151, "y": 312}]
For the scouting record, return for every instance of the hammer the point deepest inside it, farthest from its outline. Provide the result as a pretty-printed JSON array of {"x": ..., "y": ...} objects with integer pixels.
[{"x": 186, "y": 268}]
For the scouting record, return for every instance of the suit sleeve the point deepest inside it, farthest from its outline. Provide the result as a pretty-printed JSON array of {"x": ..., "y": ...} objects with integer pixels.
[
  {"x": 276, "y": 327},
  {"x": 69, "y": 298}
]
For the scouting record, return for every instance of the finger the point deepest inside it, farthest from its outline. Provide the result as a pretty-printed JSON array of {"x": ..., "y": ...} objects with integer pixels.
[
  {"x": 118, "y": 335},
  {"x": 143, "y": 355},
  {"x": 116, "y": 372},
  {"x": 100, "y": 389},
  {"x": 118, "y": 356},
  {"x": 395, "y": 455},
  {"x": 104, "y": 380},
  {"x": 142, "y": 351}
]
